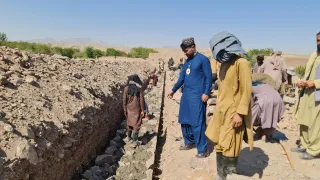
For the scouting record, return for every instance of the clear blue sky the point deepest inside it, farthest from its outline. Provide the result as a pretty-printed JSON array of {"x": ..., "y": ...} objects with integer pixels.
[{"x": 288, "y": 25}]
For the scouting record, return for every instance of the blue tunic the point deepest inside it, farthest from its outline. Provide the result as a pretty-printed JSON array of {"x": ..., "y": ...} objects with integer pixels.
[{"x": 196, "y": 83}]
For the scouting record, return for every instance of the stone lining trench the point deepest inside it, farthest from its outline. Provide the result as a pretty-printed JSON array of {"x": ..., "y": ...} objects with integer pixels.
[{"x": 120, "y": 160}]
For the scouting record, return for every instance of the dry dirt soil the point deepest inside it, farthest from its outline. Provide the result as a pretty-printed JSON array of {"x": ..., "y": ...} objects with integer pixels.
[{"x": 267, "y": 160}]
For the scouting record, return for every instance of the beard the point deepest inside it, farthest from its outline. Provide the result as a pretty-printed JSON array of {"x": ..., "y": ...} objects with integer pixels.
[
  {"x": 191, "y": 54},
  {"x": 318, "y": 48}
]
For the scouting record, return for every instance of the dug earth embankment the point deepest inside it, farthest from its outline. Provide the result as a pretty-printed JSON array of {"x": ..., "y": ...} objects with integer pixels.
[{"x": 58, "y": 113}]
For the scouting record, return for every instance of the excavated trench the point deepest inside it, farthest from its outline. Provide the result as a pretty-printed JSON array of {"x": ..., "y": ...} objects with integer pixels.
[
  {"x": 58, "y": 114},
  {"x": 85, "y": 141},
  {"x": 115, "y": 158}
]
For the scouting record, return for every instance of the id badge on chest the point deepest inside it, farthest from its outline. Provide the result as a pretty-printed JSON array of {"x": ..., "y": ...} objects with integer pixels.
[{"x": 188, "y": 71}]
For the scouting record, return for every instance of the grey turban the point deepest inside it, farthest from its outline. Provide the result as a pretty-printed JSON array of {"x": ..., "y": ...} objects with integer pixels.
[
  {"x": 278, "y": 53},
  {"x": 187, "y": 43}
]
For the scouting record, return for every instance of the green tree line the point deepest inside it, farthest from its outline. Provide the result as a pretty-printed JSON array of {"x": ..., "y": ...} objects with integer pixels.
[{"x": 88, "y": 52}]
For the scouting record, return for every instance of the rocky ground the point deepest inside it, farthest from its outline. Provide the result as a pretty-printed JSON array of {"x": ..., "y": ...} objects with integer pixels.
[
  {"x": 266, "y": 161},
  {"x": 56, "y": 112}
]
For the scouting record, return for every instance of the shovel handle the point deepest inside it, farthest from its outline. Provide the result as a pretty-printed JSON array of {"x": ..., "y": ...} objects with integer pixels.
[{"x": 289, "y": 158}]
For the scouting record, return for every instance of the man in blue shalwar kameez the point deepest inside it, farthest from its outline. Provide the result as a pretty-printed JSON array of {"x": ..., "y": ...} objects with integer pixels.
[{"x": 196, "y": 78}]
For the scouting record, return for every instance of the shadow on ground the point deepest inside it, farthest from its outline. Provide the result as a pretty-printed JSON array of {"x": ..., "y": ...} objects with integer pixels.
[
  {"x": 252, "y": 162},
  {"x": 161, "y": 142},
  {"x": 145, "y": 139}
]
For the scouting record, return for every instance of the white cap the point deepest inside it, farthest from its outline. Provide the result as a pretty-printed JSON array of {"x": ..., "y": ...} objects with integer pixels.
[{"x": 290, "y": 71}]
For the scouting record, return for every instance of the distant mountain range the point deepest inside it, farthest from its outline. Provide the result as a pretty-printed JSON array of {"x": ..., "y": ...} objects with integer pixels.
[{"x": 69, "y": 41}]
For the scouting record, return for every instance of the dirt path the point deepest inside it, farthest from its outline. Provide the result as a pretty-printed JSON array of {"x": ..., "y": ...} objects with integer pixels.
[{"x": 266, "y": 161}]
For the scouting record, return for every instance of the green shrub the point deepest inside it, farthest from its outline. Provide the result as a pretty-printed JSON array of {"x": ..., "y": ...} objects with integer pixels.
[
  {"x": 122, "y": 54},
  {"x": 112, "y": 52},
  {"x": 69, "y": 52},
  {"x": 152, "y": 51},
  {"x": 300, "y": 70},
  {"x": 89, "y": 52},
  {"x": 265, "y": 52},
  {"x": 21, "y": 45},
  {"x": 57, "y": 50},
  {"x": 115, "y": 53},
  {"x": 3, "y": 38},
  {"x": 78, "y": 55},
  {"x": 97, "y": 53},
  {"x": 43, "y": 49},
  {"x": 48, "y": 49},
  {"x": 141, "y": 52},
  {"x": 129, "y": 55}
]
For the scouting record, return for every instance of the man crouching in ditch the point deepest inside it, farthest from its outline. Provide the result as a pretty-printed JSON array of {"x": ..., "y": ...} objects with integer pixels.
[{"x": 231, "y": 122}]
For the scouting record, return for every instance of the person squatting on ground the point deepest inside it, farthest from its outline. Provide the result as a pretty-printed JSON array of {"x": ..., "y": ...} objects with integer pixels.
[
  {"x": 267, "y": 106},
  {"x": 196, "y": 78},
  {"x": 308, "y": 108},
  {"x": 231, "y": 122},
  {"x": 133, "y": 106}
]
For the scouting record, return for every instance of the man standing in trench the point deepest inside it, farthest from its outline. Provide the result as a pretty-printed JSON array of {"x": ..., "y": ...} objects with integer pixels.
[
  {"x": 196, "y": 78},
  {"x": 231, "y": 122}
]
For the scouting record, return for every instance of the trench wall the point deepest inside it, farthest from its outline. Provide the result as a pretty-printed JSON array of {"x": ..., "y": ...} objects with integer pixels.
[{"x": 60, "y": 112}]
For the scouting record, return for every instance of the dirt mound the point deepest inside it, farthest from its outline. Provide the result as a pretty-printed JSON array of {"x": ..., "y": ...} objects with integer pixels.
[{"x": 55, "y": 111}]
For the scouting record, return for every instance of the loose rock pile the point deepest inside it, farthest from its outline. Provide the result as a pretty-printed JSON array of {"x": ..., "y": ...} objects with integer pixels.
[
  {"x": 55, "y": 111},
  {"x": 105, "y": 165}
]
